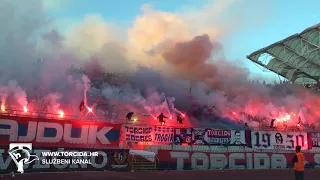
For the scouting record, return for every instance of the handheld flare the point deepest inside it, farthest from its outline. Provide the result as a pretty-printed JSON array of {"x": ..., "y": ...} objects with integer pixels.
[
  {"x": 25, "y": 109},
  {"x": 61, "y": 113}
]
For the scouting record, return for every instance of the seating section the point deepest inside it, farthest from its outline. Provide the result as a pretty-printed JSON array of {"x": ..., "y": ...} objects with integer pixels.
[{"x": 139, "y": 163}]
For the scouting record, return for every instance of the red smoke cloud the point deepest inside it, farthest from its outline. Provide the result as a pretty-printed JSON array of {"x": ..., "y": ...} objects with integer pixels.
[
  {"x": 173, "y": 52},
  {"x": 191, "y": 60}
]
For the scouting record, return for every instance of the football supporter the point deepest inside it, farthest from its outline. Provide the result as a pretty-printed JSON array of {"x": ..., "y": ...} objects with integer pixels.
[{"x": 298, "y": 161}]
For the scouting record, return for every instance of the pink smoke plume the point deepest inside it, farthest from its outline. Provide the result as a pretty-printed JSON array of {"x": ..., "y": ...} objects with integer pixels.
[
  {"x": 19, "y": 94},
  {"x": 15, "y": 92},
  {"x": 52, "y": 102},
  {"x": 163, "y": 63}
]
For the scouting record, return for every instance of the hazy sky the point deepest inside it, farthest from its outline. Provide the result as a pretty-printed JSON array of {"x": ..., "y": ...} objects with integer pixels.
[{"x": 264, "y": 22}]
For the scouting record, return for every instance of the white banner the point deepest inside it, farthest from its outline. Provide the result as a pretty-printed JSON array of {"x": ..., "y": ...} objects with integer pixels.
[
  {"x": 315, "y": 139},
  {"x": 138, "y": 133},
  {"x": 218, "y": 136},
  {"x": 238, "y": 138},
  {"x": 163, "y": 134},
  {"x": 278, "y": 140}
]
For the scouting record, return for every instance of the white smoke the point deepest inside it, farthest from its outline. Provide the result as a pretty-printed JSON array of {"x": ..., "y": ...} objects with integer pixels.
[{"x": 52, "y": 102}]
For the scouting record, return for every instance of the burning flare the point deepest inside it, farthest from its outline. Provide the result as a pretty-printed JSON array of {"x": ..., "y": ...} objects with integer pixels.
[
  {"x": 61, "y": 113},
  {"x": 25, "y": 109}
]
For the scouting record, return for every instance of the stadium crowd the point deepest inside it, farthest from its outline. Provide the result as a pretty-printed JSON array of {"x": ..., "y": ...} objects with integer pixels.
[{"x": 275, "y": 84}]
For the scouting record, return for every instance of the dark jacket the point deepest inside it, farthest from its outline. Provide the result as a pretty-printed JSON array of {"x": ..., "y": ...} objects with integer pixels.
[
  {"x": 161, "y": 117},
  {"x": 295, "y": 159}
]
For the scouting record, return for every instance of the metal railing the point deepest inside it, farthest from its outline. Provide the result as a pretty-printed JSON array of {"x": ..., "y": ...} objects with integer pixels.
[
  {"x": 39, "y": 114},
  {"x": 46, "y": 115}
]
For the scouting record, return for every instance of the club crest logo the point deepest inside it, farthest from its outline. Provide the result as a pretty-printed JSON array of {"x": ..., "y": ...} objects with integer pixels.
[
  {"x": 120, "y": 160},
  {"x": 20, "y": 154},
  {"x": 120, "y": 157}
]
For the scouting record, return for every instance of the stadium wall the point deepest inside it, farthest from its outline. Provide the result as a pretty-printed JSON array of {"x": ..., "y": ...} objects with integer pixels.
[
  {"x": 106, "y": 160},
  {"x": 190, "y": 160}
]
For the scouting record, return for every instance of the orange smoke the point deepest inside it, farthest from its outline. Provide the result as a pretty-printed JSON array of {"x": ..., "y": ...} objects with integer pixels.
[{"x": 191, "y": 59}]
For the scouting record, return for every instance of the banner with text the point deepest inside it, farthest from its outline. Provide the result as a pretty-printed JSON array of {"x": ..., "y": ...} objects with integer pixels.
[
  {"x": 138, "y": 133},
  {"x": 184, "y": 160},
  {"x": 47, "y": 159},
  {"x": 59, "y": 133},
  {"x": 202, "y": 136},
  {"x": 278, "y": 140},
  {"x": 163, "y": 134},
  {"x": 218, "y": 136},
  {"x": 315, "y": 138}
]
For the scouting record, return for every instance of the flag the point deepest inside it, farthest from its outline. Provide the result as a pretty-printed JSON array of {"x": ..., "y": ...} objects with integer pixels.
[
  {"x": 248, "y": 138},
  {"x": 81, "y": 106},
  {"x": 310, "y": 142}
]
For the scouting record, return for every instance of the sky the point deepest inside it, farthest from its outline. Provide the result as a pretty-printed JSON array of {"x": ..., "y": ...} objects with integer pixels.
[{"x": 251, "y": 24}]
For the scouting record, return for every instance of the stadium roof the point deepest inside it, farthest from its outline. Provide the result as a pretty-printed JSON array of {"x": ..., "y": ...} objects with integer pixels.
[{"x": 296, "y": 58}]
